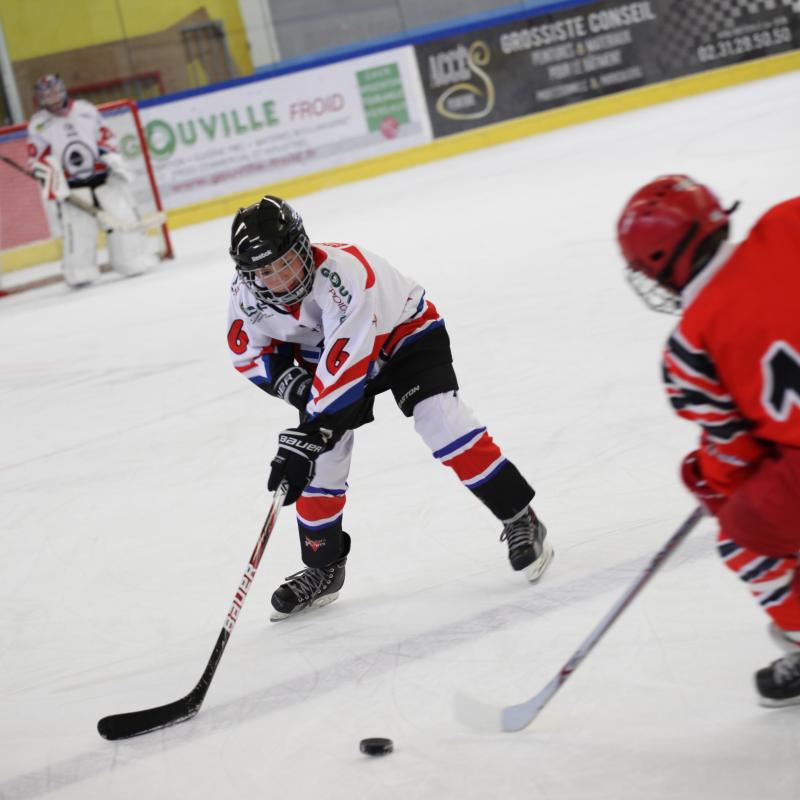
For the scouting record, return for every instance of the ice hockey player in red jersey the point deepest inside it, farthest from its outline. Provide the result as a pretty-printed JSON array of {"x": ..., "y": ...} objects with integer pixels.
[
  {"x": 326, "y": 327},
  {"x": 73, "y": 153},
  {"x": 732, "y": 365}
]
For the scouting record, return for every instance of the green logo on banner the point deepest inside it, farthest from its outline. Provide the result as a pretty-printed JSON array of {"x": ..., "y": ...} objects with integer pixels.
[
  {"x": 383, "y": 98},
  {"x": 163, "y": 137}
]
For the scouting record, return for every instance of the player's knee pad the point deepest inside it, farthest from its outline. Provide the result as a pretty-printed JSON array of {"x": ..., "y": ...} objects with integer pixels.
[
  {"x": 79, "y": 244},
  {"x": 443, "y": 419},
  {"x": 761, "y": 572},
  {"x": 772, "y": 580}
]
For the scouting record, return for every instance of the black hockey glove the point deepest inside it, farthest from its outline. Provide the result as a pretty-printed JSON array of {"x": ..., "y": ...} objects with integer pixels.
[
  {"x": 294, "y": 386},
  {"x": 294, "y": 462}
]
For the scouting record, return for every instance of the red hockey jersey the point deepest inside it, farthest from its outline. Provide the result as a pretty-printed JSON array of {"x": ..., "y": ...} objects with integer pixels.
[{"x": 733, "y": 363}]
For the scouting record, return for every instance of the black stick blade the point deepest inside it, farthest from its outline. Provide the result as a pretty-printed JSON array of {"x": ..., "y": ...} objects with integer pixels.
[{"x": 135, "y": 723}]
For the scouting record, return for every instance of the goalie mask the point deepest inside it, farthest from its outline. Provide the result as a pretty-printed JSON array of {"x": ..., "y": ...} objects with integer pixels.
[
  {"x": 272, "y": 252},
  {"x": 668, "y": 231},
  {"x": 51, "y": 94}
]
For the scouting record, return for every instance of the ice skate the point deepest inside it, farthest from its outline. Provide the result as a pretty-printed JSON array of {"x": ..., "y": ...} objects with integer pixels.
[
  {"x": 779, "y": 683},
  {"x": 528, "y": 550},
  {"x": 312, "y": 587}
]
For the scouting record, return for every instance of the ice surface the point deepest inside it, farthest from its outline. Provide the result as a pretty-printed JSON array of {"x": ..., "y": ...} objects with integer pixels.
[{"x": 133, "y": 464}]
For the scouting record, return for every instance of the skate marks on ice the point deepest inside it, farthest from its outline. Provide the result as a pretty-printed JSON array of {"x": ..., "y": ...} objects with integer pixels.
[{"x": 539, "y": 602}]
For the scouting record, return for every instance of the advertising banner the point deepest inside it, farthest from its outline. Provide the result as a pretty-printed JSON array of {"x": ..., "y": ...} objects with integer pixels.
[
  {"x": 264, "y": 131},
  {"x": 544, "y": 61}
]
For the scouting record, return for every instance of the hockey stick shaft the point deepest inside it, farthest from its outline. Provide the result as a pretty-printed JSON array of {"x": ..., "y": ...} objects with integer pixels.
[
  {"x": 108, "y": 222},
  {"x": 134, "y": 723},
  {"x": 515, "y": 718},
  {"x": 74, "y": 201}
]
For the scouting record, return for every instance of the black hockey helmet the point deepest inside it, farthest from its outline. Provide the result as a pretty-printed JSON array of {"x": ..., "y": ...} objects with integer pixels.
[{"x": 267, "y": 239}]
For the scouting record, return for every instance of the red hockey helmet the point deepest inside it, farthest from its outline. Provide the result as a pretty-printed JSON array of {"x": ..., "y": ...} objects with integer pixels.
[
  {"x": 50, "y": 93},
  {"x": 668, "y": 231}
]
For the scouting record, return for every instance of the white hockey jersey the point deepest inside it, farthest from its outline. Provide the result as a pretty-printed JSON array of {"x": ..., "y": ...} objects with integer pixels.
[
  {"x": 77, "y": 140},
  {"x": 359, "y": 312}
]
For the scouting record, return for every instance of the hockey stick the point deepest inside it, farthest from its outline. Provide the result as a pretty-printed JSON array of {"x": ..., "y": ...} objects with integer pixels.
[
  {"x": 134, "y": 723},
  {"x": 517, "y": 717},
  {"x": 106, "y": 221}
]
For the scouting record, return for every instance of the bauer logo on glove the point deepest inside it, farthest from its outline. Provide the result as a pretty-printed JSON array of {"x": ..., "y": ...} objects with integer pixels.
[
  {"x": 300, "y": 444},
  {"x": 295, "y": 460}
]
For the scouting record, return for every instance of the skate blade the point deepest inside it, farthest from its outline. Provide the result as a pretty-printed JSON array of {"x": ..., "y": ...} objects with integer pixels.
[
  {"x": 535, "y": 571},
  {"x": 277, "y": 616},
  {"x": 768, "y": 702}
]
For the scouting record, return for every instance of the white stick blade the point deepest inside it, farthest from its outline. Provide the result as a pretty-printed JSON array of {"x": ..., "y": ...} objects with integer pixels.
[
  {"x": 515, "y": 718},
  {"x": 476, "y": 715}
]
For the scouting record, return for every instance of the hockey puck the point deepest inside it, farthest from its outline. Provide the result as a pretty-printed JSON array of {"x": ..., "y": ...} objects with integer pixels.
[{"x": 376, "y": 746}]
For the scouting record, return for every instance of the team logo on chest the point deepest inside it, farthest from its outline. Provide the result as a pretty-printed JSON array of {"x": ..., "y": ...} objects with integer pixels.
[
  {"x": 337, "y": 285},
  {"x": 78, "y": 160}
]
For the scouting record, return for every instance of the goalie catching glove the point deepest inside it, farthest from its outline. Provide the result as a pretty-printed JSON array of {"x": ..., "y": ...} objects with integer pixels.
[{"x": 294, "y": 462}]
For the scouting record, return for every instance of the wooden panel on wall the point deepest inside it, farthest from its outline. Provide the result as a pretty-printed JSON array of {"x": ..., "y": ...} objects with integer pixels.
[{"x": 161, "y": 52}]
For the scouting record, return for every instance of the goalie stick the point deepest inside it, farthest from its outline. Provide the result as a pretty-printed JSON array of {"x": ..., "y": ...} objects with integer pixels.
[
  {"x": 106, "y": 221},
  {"x": 134, "y": 723},
  {"x": 516, "y": 717}
]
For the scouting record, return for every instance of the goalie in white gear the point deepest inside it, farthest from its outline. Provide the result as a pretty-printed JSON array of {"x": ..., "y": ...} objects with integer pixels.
[{"x": 73, "y": 153}]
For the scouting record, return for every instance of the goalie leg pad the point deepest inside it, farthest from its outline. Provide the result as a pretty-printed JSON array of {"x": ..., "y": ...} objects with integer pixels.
[
  {"x": 129, "y": 252},
  {"x": 79, "y": 246}
]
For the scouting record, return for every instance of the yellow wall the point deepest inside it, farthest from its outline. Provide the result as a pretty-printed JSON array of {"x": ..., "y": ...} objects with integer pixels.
[{"x": 40, "y": 27}]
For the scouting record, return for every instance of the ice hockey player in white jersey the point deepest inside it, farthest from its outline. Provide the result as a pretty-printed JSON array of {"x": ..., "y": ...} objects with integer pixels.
[
  {"x": 73, "y": 153},
  {"x": 326, "y": 327}
]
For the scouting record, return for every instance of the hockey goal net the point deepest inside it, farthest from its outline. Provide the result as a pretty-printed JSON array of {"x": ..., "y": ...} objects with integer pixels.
[{"x": 29, "y": 227}]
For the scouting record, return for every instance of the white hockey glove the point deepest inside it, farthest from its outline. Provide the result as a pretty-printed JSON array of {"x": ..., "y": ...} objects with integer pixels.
[
  {"x": 54, "y": 183},
  {"x": 116, "y": 163}
]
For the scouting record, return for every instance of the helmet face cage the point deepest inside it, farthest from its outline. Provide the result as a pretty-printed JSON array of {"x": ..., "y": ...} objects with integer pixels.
[
  {"x": 50, "y": 93},
  {"x": 660, "y": 233},
  {"x": 277, "y": 282},
  {"x": 655, "y": 296},
  {"x": 272, "y": 253}
]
